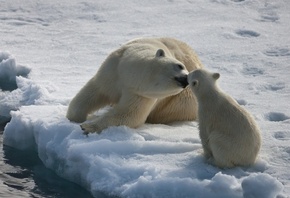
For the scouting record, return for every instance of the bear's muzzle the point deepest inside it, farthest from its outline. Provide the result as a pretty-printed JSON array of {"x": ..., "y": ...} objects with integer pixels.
[{"x": 182, "y": 81}]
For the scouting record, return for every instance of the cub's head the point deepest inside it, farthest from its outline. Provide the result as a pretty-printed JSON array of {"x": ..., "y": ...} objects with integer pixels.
[{"x": 202, "y": 81}]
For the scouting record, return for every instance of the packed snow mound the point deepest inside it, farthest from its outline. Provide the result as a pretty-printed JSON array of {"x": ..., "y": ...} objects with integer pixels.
[
  {"x": 9, "y": 70},
  {"x": 151, "y": 161},
  {"x": 17, "y": 90},
  {"x": 27, "y": 93}
]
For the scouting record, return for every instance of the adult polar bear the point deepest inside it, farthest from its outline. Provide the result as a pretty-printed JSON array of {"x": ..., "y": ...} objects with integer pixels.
[{"x": 144, "y": 81}]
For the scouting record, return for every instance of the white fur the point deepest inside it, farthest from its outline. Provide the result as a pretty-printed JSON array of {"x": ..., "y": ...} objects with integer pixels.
[
  {"x": 229, "y": 134},
  {"x": 139, "y": 80}
]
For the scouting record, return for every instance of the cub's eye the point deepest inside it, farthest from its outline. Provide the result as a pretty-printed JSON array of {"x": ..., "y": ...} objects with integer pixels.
[{"x": 194, "y": 83}]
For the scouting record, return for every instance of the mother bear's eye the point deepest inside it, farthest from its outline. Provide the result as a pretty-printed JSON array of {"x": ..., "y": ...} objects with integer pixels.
[{"x": 180, "y": 67}]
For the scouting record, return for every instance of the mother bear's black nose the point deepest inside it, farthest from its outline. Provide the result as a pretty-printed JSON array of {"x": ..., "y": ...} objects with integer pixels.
[{"x": 182, "y": 81}]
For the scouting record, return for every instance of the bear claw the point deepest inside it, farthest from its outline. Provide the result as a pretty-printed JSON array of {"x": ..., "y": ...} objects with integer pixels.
[
  {"x": 84, "y": 131},
  {"x": 89, "y": 128}
]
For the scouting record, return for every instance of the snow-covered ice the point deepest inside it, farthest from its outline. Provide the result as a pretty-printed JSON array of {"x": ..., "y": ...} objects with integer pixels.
[
  {"x": 62, "y": 44},
  {"x": 151, "y": 161}
]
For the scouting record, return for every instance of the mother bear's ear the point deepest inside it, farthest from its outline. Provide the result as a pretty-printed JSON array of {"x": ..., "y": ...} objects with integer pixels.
[
  {"x": 160, "y": 53},
  {"x": 216, "y": 76}
]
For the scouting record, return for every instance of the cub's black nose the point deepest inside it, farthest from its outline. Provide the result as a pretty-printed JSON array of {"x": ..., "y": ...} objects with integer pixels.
[{"x": 182, "y": 81}]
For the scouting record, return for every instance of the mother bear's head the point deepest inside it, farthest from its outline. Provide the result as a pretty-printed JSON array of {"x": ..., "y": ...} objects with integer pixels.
[{"x": 152, "y": 73}]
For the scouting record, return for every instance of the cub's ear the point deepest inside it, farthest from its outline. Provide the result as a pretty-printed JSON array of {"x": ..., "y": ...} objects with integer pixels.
[
  {"x": 216, "y": 76},
  {"x": 194, "y": 83},
  {"x": 160, "y": 53}
]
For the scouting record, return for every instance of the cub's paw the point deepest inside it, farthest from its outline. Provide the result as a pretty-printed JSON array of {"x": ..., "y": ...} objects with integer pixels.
[{"x": 90, "y": 128}]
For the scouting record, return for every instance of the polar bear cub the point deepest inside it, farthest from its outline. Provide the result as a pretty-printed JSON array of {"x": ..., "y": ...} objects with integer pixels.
[{"x": 229, "y": 135}]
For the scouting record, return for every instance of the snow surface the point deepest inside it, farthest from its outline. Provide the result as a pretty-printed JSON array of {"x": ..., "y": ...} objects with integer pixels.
[{"x": 64, "y": 42}]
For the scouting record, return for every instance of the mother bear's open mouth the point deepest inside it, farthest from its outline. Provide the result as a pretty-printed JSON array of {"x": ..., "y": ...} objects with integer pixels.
[{"x": 182, "y": 81}]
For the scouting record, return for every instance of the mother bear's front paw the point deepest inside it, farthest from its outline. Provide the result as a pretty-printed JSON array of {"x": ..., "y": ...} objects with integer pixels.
[{"x": 90, "y": 128}]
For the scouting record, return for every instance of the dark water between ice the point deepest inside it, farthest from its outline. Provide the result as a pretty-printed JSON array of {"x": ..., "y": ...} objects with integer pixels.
[{"x": 22, "y": 174}]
